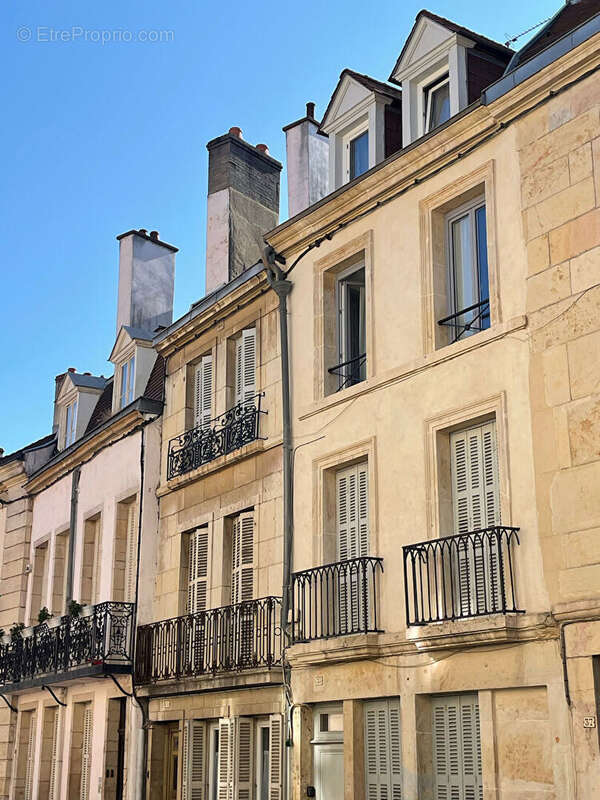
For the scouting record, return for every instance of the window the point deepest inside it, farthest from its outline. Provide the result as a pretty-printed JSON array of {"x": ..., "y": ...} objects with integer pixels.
[
  {"x": 457, "y": 748},
  {"x": 475, "y": 484},
  {"x": 127, "y": 382},
  {"x": 469, "y": 293},
  {"x": 437, "y": 103},
  {"x": 203, "y": 387},
  {"x": 197, "y": 570},
  {"x": 49, "y": 753},
  {"x": 39, "y": 583},
  {"x": 125, "y": 552},
  {"x": 91, "y": 562},
  {"x": 61, "y": 549},
  {"x": 71, "y": 423},
  {"x": 245, "y": 366},
  {"x": 383, "y": 750},
  {"x": 358, "y": 155},
  {"x": 352, "y": 493},
  {"x": 213, "y": 762},
  {"x": 351, "y": 368},
  {"x": 81, "y": 751}
]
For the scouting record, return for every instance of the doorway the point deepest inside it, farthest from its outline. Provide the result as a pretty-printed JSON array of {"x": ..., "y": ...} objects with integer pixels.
[
  {"x": 328, "y": 752},
  {"x": 171, "y": 763}
]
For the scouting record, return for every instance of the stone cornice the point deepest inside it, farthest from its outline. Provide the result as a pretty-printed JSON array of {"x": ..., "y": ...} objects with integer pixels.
[
  {"x": 425, "y": 157},
  {"x": 12, "y": 475}
]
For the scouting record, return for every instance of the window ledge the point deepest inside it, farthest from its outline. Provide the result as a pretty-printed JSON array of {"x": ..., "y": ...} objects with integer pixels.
[
  {"x": 420, "y": 364},
  {"x": 262, "y": 676}
]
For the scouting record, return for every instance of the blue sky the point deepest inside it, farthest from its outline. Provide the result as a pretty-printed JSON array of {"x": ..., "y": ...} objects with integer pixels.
[{"x": 100, "y": 138}]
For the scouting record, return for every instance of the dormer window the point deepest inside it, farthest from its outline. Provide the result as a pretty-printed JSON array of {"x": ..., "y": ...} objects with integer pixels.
[
  {"x": 71, "y": 423},
  {"x": 127, "y": 382},
  {"x": 437, "y": 103},
  {"x": 358, "y": 155}
]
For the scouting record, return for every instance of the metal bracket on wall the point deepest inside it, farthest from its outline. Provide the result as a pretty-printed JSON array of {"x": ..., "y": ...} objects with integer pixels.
[
  {"x": 10, "y": 705},
  {"x": 48, "y": 689}
]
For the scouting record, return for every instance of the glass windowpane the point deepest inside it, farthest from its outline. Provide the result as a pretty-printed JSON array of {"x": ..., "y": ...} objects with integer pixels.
[
  {"x": 359, "y": 155},
  {"x": 482, "y": 264},
  {"x": 438, "y": 99}
]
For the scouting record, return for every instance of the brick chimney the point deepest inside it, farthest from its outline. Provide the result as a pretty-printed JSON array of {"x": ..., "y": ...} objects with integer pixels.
[
  {"x": 307, "y": 157},
  {"x": 146, "y": 280},
  {"x": 243, "y": 204}
]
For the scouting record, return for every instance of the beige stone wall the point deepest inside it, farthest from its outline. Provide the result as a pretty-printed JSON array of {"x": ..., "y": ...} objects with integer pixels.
[{"x": 559, "y": 159}]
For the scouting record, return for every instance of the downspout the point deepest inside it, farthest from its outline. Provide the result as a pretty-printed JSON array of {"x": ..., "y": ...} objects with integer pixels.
[
  {"x": 282, "y": 287},
  {"x": 72, "y": 532}
]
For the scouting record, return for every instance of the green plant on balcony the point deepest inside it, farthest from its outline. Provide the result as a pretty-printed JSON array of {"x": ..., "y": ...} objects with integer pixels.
[
  {"x": 16, "y": 630},
  {"x": 74, "y": 609},
  {"x": 43, "y": 615}
]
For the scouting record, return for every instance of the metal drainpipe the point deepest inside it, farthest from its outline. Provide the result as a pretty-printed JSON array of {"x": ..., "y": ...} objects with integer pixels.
[
  {"x": 282, "y": 287},
  {"x": 72, "y": 532}
]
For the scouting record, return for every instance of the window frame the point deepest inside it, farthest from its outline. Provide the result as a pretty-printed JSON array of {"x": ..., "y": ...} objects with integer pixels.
[
  {"x": 260, "y": 726},
  {"x": 428, "y": 93},
  {"x": 342, "y": 325},
  {"x": 354, "y": 133},
  {"x": 127, "y": 382},
  {"x": 71, "y": 410}
]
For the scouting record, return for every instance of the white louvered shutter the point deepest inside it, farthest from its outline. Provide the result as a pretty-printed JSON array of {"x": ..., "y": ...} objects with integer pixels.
[
  {"x": 53, "y": 789},
  {"x": 245, "y": 366},
  {"x": 243, "y": 758},
  {"x": 225, "y": 771},
  {"x": 352, "y": 539},
  {"x": 242, "y": 577},
  {"x": 203, "y": 387},
  {"x": 86, "y": 754},
  {"x": 276, "y": 744},
  {"x": 131, "y": 553},
  {"x": 198, "y": 570},
  {"x": 383, "y": 751},
  {"x": 457, "y": 748},
  {"x": 30, "y": 755},
  {"x": 194, "y": 757}
]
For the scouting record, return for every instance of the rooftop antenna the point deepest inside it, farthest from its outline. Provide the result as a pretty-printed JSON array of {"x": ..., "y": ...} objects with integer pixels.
[{"x": 511, "y": 39}]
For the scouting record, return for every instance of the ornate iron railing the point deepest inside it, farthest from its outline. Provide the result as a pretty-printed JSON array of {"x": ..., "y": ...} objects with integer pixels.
[
  {"x": 337, "y": 599},
  {"x": 467, "y": 575},
  {"x": 479, "y": 321},
  {"x": 223, "y": 434},
  {"x": 226, "y": 639},
  {"x": 350, "y": 372},
  {"x": 102, "y": 638}
]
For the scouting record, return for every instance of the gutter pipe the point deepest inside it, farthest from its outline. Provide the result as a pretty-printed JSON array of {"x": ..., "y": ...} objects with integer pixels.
[{"x": 72, "y": 534}]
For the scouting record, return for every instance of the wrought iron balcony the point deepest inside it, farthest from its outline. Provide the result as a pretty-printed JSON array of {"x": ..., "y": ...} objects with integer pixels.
[
  {"x": 467, "y": 575},
  {"x": 226, "y": 639},
  {"x": 222, "y": 435},
  {"x": 350, "y": 372},
  {"x": 77, "y": 647},
  {"x": 472, "y": 323},
  {"x": 337, "y": 599}
]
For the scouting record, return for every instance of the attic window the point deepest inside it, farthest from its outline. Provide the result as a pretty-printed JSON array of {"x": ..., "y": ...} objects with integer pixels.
[
  {"x": 127, "y": 382},
  {"x": 71, "y": 423},
  {"x": 359, "y": 155},
  {"x": 437, "y": 103}
]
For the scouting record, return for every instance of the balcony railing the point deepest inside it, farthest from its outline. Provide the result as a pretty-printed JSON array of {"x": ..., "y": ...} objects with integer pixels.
[
  {"x": 467, "y": 575},
  {"x": 222, "y": 435},
  {"x": 336, "y": 599},
  {"x": 96, "y": 643},
  {"x": 350, "y": 372},
  {"x": 473, "y": 321},
  {"x": 227, "y": 639}
]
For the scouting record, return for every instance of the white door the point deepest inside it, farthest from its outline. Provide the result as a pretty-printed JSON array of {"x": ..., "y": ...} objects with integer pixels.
[{"x": 329, "y": 771}]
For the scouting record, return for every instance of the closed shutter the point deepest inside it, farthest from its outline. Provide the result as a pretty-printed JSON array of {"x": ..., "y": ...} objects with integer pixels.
[
  {"x": 203, "y": 386},
  {"x": 383, "y": 750},
  {"x": 352, "y": 541},
  {"x": 53, "y": 789},
  {"x": 198, "y": 570},
  {"x": 245, "y": 366},
  {"x": 86, "y": 754},
  {"x": 242, "y": 577},
  {"x": 194, "y": 756},
  {"x": 457, "y": 748},
  {"x": 31, "y": 717},
  {"x": 276, "y": 737},
  {"x": 131, "y": 553},
  {"x": 476, "y": 503},
  {"x": 225, "y": 771},
  {"x": 243, "y": 758}
]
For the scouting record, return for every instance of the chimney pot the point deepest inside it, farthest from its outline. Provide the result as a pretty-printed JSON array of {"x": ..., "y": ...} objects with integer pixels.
[
  {"x": 154, "y": 235},
  {"x": 263, "y": 148},
  {"x": 87, "y": 373},
  {"x": 235, "y": 131},
  {"x": 72, "y": 369},
  {"x": 310, "y": 110},
  {"x": 143, "y": 231}
]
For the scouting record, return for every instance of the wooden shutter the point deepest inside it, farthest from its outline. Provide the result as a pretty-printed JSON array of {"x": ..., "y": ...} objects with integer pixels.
[
  {"x": 86, "y": 754},
  {"x": 194, "y": 757},
  {"x": 131, "y": 552},
  {"x": 245, "y": 366},
  {"x": 225, "y": 771},
  {"x": 198, "y": 570},
  {"x": 276, "y": 744},
  {"x": 203, "y": 386},
  {"x": 383, "y": 750},
  {"x": 53, "y": 789},
  {"x": 352, "y": 539},
  {"x": 30, "y": 763},
  {"x": 457, "y": 748},
  {"x": 242, "y": 577},
  {"x": 243, "y": 758}
]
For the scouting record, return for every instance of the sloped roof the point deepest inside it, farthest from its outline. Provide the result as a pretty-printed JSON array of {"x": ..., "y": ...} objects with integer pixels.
[
  {"x": 372, "y": 84},
  {"x": 498, "y": 49},
  {"x": 18, "y": 455},
  {"x": 87, "y": 381},
  {"x": 103, "y": 408}
]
